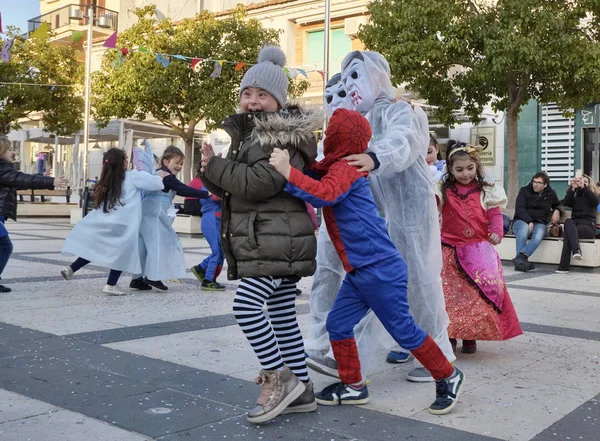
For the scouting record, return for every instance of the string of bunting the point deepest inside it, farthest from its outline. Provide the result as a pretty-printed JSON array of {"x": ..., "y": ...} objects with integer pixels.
[
  {"x": 3, "y": 83},
  {"x": 195, "y": 62},
  {"x": 164, "y": 59}
]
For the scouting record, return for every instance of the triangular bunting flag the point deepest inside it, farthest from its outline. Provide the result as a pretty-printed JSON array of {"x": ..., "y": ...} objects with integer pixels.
[
  {"x": 111, "y": 41},
  {"x": 303, "y": 72},
  {"x": 118, "y": 61},
  {"x": 162, "y": 60},
  {"x": 6, "y": 50},
  {"x": 179, "y": 57},
  {"x": 217, "y": 72},
  {"x": 41, "y": 32},
  {"x": 293, "y": 73},
  {"x": 286, "y": 71},
  {"x": 240, "y": 66},
  {"x": 322, "y": 74},
  {"x": 196, "y": 64},
  {"x": 143, "y": 50},
  {"x": 221, "y": 62},
  {"x": 76, "y": 36}
]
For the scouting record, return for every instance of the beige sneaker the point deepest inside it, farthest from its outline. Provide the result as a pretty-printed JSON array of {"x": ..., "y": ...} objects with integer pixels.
[
  {"x": 304, "y": 403},
  {"x": 112, "y": 290},
  {"x": 67, "y": 272},
  {"x": 279, "y": 389}
]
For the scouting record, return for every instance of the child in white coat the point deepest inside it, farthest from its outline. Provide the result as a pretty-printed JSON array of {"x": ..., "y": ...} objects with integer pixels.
[{"x": 109, "y": 235}]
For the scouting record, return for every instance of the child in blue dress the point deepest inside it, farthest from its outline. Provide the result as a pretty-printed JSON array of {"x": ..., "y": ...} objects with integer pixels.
[{"x": 160, "y": 250}]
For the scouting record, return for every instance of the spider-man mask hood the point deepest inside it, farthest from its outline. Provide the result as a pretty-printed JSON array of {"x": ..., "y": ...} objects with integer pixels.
[{"x": 348, "y": 134}]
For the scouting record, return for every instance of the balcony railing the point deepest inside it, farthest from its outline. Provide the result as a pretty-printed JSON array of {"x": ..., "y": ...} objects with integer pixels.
[{"x": 75, "y": 15}]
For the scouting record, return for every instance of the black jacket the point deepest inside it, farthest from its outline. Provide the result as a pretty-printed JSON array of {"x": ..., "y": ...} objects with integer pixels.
[
  {"x": 265, "y": 231},
  {"x": 11, "y": 180},
  {"x": 584, "y": 203},
  {"x": 535, "y": 207}
]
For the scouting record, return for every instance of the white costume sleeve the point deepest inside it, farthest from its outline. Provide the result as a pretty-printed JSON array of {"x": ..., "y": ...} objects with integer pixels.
[
  {"x": 145, "y": 181},
  {"x": 494, "y": 196},
  {"x": 401, "y": 143}
]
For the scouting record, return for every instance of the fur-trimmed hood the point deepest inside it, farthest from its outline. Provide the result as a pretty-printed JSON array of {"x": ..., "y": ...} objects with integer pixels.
[{"x": 292, "y": 126}]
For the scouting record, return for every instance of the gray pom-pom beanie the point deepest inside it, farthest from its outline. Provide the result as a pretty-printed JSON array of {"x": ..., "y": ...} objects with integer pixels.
[{"x": 268, "y": 74}]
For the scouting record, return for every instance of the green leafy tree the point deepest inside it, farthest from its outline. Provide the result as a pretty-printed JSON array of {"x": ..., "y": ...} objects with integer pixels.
[
  {"x": 177, "y": 96},
  {"x": 39, "y": 61},
  {"x": 464, "y": 54}
]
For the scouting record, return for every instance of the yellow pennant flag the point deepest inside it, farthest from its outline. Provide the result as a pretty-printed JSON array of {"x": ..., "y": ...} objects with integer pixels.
[{"x": 41, "y": 32}]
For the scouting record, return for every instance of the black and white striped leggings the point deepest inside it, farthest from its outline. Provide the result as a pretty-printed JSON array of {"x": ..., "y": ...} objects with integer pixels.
[{"x": 279, "y": 341}]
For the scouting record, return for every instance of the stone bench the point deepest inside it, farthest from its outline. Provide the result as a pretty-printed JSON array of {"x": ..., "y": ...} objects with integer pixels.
[
  {"x": 550, "y": 249},
  {"x": 42, "y": 194},
  {"x": 186, "y": 224}
]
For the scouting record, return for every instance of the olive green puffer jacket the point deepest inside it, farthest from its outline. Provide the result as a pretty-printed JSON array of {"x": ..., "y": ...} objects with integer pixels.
[{"x": 264, "y": 230}]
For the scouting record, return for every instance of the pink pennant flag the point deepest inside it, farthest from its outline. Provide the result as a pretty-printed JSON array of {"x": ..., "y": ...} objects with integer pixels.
[
  {"x": 111, "y": 41},
  {"x": 0, "y": 22},
  {"x": 322, "y": 74}
]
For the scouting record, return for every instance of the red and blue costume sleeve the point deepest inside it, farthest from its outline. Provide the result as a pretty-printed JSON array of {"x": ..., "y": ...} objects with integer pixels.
[{"x": 331, "y": 189}]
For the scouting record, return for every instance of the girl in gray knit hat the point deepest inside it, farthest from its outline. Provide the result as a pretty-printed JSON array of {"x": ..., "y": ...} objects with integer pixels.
[{"x": 266, "y": 234}]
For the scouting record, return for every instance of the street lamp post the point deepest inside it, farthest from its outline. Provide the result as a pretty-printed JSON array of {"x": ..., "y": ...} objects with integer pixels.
[{"x": 88, "y": 64}]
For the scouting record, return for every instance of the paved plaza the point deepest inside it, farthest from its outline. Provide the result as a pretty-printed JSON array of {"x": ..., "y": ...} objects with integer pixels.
[{"x": 77, "y": 365}]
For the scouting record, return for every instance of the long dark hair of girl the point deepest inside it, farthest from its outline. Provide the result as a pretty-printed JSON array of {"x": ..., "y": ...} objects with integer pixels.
[
  {"x": 449, "y": 181},
  {"x": 107, "y": 192}
]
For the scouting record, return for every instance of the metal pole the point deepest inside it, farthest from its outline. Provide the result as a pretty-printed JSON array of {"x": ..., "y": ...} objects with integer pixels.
[
  {"x": 326, "y": 52},
  {"x": 88, "y": 63},
  {"x": 596, "y": 154}
]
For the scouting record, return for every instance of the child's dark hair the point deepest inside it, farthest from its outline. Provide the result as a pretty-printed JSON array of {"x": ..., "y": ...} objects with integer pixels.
[
  {"x": 170, "y": 153},
  {"x": 434, "y": 143},
  {"x": 107, "y": 191},
  {"x": 460, "y": 150},
  {"x": 198, "y": 169}
]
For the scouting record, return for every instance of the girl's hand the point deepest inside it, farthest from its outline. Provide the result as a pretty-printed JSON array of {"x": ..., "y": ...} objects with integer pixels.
[
  {"x": 494, "y": 239},
  {"x": 162, "y": 174},
  {"x": 363, "y": 161},
  {"x": 531, "y": 225},
  {"x": 61, "y": 182},
  {"x": 280, "y": 159},
  {"x": 555, "y": 216}
]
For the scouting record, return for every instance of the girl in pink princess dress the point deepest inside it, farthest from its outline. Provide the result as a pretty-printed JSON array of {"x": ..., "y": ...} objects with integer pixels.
[{"x": 477, "y": 300}]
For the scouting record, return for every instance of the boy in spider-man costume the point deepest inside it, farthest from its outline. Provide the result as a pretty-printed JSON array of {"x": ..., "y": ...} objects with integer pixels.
[{"x": 376, "y": 273}]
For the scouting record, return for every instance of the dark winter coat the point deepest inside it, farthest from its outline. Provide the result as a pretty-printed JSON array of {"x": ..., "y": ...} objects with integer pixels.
[
  {"x": 584, "y": 203},
  {"x": 535, "y": 207},
  {"x": 264, "y": 230},
  {"x": 12, "y": 180}
]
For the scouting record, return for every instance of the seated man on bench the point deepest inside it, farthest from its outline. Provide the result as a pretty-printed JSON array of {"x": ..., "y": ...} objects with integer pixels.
[{"x": 534, "y": 204}]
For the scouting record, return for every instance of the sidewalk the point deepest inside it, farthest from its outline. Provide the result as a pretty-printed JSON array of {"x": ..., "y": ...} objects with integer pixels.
[{"x": 78, "y": 365}]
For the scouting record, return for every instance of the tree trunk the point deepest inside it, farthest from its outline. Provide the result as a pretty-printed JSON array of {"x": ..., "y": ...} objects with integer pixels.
[
  {"x": 512, "y": 118},
  {"x": 188, "y": 167}
]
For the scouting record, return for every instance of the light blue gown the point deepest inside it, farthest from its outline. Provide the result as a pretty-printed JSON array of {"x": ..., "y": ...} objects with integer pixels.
[
  {"x": 112, "y": 239},
  {"x": 161, "y": 252}
]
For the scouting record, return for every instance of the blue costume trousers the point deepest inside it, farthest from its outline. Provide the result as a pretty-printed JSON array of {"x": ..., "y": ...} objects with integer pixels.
[
  {"x": 211, "y": 228},
  {"x": 381, "y": 287}
]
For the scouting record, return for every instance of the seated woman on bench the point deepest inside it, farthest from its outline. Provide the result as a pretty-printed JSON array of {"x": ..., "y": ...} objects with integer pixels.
[
  {"x": 582, "y": 196},
  {"x": 534, "y": 204}
]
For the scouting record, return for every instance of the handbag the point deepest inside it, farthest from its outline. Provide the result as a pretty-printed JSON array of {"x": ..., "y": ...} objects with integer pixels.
[{"x": 556, "y": 230}]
